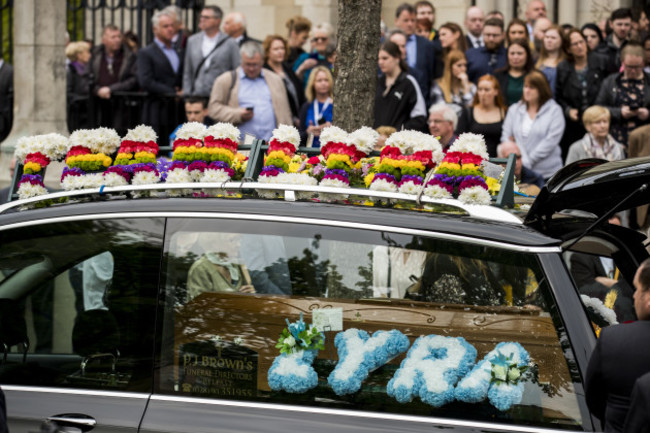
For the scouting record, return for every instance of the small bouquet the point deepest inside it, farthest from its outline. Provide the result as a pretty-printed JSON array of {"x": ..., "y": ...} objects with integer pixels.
[{"x": 35, "y": 153}]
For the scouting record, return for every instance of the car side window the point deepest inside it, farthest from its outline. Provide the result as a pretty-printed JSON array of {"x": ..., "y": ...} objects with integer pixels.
[
  {"x": 77, "y": 303},
  {"x": 400, "y": 315},
  {"x": 606, "y": 292}
]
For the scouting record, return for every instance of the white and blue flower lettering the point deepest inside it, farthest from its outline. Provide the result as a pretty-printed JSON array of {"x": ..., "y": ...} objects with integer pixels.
[
  {"x": 431, "y": 369},
  {"x": 359, "y": 354},
  {"x": 478, "y": 384},
  {"x": 293, "y": 372}
]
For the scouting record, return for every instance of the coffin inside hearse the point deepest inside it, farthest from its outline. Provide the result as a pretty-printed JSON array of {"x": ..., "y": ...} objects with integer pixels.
[{"x": 225, "y": 345}]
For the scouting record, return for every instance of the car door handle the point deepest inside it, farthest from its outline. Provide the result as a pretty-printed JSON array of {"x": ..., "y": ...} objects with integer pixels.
[{"x": 83, "y": 422}]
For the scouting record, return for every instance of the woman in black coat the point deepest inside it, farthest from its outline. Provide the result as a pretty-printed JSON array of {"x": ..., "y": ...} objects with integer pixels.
[
  {"x": 77, "y": 85},
  {"x": 579, "y": 77}
]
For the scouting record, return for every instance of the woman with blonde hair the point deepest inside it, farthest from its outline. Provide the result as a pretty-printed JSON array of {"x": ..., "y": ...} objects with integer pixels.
[
  {"x": 486, "y": 114},
  {"x": 316, "y": 113},
  {"x": 551, "y": 54},
  {"x": 454, "y": 87},
  {"x": 597, "y": 143},
  {"x": 77, "y": 90}
]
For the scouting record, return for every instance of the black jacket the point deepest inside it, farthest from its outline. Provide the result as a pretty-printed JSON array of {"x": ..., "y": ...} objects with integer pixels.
[
  {"x": 157, "y": 77},
  {"x": 617, "y": 361},
  {"x": 568, "y": 91},
  {"x": 607, "y": 95},
  {"x": 6, "y": 99},
  {"x": 399, "y": 107},
  {"x": 127, "y": 77},
  {"x": 638, "y": 418}
]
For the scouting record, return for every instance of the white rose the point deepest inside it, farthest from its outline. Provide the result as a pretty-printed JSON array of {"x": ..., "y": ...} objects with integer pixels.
[{"x": 290, "y": 341}]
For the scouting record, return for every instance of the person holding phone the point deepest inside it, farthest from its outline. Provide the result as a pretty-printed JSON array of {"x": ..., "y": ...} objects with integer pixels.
[
  {"x": 316, "y": 113},
  {"x": 627, "y": 94}
]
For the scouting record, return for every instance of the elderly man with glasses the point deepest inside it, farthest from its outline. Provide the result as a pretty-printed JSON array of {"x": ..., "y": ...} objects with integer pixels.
[{"x": 208, "y": 54}]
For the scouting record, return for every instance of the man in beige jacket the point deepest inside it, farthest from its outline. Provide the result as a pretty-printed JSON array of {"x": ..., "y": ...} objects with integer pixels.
[{"x": 254, "y": 100}]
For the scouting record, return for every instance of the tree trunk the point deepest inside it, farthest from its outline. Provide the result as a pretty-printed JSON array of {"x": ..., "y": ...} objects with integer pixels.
[{"x": 355, "y": 68}]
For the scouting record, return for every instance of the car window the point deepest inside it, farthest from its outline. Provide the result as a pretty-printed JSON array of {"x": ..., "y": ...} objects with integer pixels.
[
  {"x": 606, "y": 292},
  {"x": 411, "y": 324},
  {"x": 77, "y": 303}
]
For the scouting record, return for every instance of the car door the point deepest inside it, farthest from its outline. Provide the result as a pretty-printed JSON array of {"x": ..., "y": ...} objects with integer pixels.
[
  {"x": 584, "y": 205},
  {"x": 217, "y": 341},
  {"x": 77, "y": 315}
]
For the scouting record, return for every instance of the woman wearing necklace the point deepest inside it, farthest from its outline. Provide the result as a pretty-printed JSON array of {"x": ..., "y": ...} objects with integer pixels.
[
  {"x": 578, "y": 80},
  {"x": 316, "y": 113},
  {"x": 398, "y": 101},
  {"x": 275, "y": 54},
  {"x": 597, "y": 143}
]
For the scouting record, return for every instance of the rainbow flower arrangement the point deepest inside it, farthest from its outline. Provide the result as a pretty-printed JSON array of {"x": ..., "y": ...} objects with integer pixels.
[
  {"x": 35, "y": 153},
  {"x": 338, "y": 157},
  {"x": 219, "y": 152},
  {"x": 186, "y": 151},
  {"x": 460, "y": 174},
  {"x": 135, "y": 162},
  {"x": 404, "y": 161},
  {"x": 282, "y": 165},
  {"x": 88, "y": 157}
]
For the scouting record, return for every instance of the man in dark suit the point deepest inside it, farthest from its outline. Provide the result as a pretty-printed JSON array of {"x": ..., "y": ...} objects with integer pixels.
[
  {"x": 6, "y": 98},
  {"x": 420, "y": 55},
  {"x": 638, "y": 418},
  {"x": 159, "y": 68},
  {"x": 489, "y": 57},
  {"x": 619, "y": 359}
]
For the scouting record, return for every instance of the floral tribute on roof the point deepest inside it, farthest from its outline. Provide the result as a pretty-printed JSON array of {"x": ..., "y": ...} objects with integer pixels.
[
  {"x": 404, "y": 161},
  {"x": 281, "y": 165},
  {"x": 460, "y": 175},
  {"x": 35, "y": 153},
  {"x": 135, "y": 162},
  {"x": 88, "y": 157},
  {"x": 186, "y": 151}
]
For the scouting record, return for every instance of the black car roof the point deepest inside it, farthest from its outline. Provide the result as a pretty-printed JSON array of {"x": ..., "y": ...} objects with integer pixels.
[{"x": 516, "y": 234}]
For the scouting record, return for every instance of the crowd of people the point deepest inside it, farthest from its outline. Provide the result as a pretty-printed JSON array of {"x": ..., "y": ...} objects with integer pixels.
[{"x": 550, "y": 93}]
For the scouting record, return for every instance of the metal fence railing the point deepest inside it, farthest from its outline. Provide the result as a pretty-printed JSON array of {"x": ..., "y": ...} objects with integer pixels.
[{"x": 87, "y": 18}]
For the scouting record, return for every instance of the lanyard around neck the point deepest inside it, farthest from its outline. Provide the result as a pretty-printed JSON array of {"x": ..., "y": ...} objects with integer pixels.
[{"x": 318, "y": 114}]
